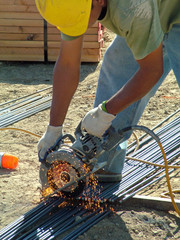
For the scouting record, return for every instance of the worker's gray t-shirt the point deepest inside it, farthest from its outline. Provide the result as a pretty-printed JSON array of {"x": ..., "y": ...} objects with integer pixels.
[{"x": 141, "y": 22}]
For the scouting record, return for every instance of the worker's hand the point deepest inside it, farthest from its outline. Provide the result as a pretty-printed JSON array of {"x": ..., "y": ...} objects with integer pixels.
[
  {"x": 48, "y": 140},
  {"x": 97, "y": 121}
]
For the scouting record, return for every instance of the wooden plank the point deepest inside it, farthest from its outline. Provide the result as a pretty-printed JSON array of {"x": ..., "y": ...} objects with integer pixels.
[
  {"x": 21, "y": 54},
  {"x": 22, "y": 36},
  {"x": 28, "y": 58},
  {"x": 158, "y": 203},
  {"x": 92, "y": 31},
  {"x": 17, "y": 2},
  {"x": 18, "y": 8},
  {"x": 21, "y": 29},
  {"x": 20, "y": 15},
  {"x": 51, "y": 52},
  {"x": 21, "y": 44},
  {"x": 24, "y": 22},
  {"x": 23, "y": 50},
  {"x": 4, "y": 43},
  {"x": 90, "y": 58}
]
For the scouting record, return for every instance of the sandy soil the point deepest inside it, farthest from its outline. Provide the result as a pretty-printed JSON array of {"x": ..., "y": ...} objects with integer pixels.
[{"x": 19, "y": 188}]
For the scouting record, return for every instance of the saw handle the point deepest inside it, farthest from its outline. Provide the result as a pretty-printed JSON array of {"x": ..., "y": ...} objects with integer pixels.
[{"x": 78, "y": 131}]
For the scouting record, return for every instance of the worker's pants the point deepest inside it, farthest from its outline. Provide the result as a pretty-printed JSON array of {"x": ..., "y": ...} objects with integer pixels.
[{"x": 117, "y": 68}]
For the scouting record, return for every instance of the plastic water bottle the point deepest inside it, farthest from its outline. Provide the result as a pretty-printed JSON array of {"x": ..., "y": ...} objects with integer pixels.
[{"x": 8, "y": 161}]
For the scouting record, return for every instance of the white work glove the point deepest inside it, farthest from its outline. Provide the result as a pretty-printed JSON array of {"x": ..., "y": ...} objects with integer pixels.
[
  {"x": 48, "y": 140},
  {"x": 97, "y": 121}
]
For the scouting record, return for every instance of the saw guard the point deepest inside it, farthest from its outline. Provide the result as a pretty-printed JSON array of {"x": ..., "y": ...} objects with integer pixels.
[{"x": 63, "y": 162}]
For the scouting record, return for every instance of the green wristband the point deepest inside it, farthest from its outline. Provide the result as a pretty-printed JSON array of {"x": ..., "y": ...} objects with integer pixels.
[{"x": 104, "y": 106}]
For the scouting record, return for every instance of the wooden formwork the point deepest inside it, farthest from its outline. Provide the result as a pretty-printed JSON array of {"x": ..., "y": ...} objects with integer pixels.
[{"x": 25, "y": 36}]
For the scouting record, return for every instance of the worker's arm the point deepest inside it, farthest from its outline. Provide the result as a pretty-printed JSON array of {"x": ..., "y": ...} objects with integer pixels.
[
  {"x": 150, "y": 71},
  {"x": 65, "y": 79},
  {"x": 97, "y": 121}
]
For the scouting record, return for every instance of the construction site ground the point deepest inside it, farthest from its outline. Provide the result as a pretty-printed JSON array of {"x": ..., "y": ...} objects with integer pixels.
[{"x": 19, "y": 189}]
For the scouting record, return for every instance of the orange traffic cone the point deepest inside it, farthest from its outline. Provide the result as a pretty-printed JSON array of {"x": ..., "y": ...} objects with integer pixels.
[{"x": 8, "y": 161}]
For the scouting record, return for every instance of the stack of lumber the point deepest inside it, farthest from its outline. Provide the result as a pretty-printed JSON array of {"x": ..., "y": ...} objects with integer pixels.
[
  {"x": 25, "y": 36},
  {"x": 21, "y": 31}
]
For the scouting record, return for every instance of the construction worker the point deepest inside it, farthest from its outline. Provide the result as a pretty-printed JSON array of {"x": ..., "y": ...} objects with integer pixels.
[{"x": 146, "y": 48}]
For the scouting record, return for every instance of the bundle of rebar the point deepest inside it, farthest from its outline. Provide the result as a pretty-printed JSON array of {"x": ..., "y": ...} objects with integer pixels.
[
  {"x": 25, "y": 106},
  {"x": 60, "y": 218}
]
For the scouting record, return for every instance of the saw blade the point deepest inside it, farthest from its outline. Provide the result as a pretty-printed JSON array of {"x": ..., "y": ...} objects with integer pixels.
[
  {"x": 61, "y": 174},
  {"x": 73, "y": 182}
]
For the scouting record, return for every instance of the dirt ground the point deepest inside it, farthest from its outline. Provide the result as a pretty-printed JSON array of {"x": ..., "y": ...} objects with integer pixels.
[{"x": 19, "y": 188}]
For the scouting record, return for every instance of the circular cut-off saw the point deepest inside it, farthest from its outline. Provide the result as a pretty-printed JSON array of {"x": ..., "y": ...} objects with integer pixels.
[{"x": 67, "y": 168}]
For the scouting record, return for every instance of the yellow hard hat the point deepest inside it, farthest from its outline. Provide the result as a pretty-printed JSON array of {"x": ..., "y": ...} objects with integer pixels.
[{"x": 70, "y": 16}]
